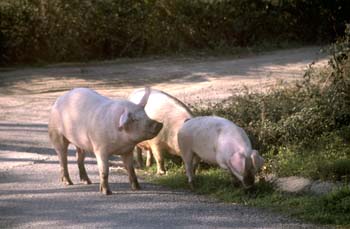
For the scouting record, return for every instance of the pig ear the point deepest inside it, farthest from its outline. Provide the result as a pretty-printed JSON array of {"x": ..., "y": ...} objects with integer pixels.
[
  {"x": 123, "y": 119},
  {"x": 238, "y": 163},
  {"x": 257, "y": 160},
  {"x": 144, "y": 99}
]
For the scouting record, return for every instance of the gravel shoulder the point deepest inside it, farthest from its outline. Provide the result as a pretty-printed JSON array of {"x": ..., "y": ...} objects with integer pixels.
[{"x": 30, "y": 193}]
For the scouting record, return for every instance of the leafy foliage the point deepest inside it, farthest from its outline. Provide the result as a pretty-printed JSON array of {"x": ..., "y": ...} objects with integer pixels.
[
  {"x": 67, "y": 30},
  {"x": 332, "y": 208},
  {"x": 303, "y": 129}
]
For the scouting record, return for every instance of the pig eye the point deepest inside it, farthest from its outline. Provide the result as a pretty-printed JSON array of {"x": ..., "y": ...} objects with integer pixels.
[{"x": 132, "y": 118}]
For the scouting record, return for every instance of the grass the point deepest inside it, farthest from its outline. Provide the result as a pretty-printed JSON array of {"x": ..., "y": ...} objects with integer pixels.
[
  {"x": 328, "y": 209},
  {"x": 301, "y": 130}
]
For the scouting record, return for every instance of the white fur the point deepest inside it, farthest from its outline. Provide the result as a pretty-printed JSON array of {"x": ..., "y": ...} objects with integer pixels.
[
  {"x": 218, "y": 141},
  {"x": 172, "y": 113},
  {"x": 90, "y": 121},
  {"x": 97, "y": 124}
]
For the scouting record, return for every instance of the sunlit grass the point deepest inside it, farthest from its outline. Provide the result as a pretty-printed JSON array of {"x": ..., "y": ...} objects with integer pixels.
[{"x": 332, "y": 208}]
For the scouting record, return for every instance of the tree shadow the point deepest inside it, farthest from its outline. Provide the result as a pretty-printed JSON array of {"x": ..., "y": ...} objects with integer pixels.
[
  {"x": 136, "y": 73},
  {"x": 84, "y": 206},
  {"x": 30, "y": 198}
]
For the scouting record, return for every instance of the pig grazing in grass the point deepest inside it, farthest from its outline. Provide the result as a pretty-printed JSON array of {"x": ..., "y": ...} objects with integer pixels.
[
  {"x": 168, "y": 110},
  {"x": 218, "y": 141},
  {"x": 94, "y": 123}
]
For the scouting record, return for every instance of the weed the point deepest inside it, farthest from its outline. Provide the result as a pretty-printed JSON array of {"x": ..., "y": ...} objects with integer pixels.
[
  {"x": 332, "y": 208},
  {"x": 301, "y": 130}
]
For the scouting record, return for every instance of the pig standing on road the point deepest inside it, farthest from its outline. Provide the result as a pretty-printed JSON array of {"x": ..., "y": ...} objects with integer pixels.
[
  {"x": 168, "y": 110},
  {"x": 94, "y": 123},
  {"x": 219, "y": 141}
]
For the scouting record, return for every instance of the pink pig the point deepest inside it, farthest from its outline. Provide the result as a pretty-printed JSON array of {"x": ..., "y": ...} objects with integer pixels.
[
  {"x": 99, "y": 125},
  {"x": 218, "y": 141}
]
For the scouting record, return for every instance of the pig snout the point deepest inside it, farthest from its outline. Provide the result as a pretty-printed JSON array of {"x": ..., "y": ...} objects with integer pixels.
[
  {"x": 243, "y": 168},
  {"x": 154, "y": 128},
  {"x": 248, "y": 180}
]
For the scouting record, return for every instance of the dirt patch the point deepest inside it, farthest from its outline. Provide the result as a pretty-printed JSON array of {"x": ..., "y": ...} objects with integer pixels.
[
  {"x": 29, "y": 172},
  {"x": 27, "y": 94}
]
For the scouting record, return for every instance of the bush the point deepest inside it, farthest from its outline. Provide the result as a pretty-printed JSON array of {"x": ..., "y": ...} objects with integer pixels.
[
  {"x": 302, "y": 128},
  {"x": 336, "y": 205},
  {"x": 337, "y": 170},
  {"x": 70, "y": 30}
]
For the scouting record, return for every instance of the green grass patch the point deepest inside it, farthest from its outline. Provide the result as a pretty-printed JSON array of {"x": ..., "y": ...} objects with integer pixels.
[
  {"x": 332, "y": 208},
  {"x": 327, "y": 159},
  {"x": 300, "y": 130}
]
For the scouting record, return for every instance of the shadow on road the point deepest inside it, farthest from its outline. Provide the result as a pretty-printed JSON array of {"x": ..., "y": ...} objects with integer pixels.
[
  {"x": 83, "y": 206},
  {"x": 138, "y": 73},
  {"x": 23, "y": 142}
]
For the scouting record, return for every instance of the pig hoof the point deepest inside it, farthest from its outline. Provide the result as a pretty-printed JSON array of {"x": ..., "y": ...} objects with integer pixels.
[
  {"x": 236, "y": 183},
  {"x": 135, "y": 187},
  {"x": 86, "y": 181},
  {"x": 191, "y": 186},
  {"x": 106, "y": 192},
  {"x": 66, "y": 181},
  {"x": 161, "y": 172}
]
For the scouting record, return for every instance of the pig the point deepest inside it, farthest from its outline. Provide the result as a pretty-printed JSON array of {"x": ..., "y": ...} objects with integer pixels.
[
  {"x": 94, "y": 123},
  {"x": 218, "y": 141},
  {"x": 170, "y": 111}
]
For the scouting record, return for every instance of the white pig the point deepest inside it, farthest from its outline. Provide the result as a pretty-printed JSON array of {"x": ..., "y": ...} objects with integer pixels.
[
  {"x": 219, "y": 141},
  {"x": 168, "y": 110},
  {"x": 94, "y": 123}
]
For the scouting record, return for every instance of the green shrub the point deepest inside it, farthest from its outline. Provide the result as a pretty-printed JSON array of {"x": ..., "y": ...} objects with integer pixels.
[
  {"x": 303, "y": 129},
  {"x": 335, "y": 207},
  {"x": 332, "y": 208},
  {"x": 70, "y": 30},
  {"x": 336, "y": 170}
]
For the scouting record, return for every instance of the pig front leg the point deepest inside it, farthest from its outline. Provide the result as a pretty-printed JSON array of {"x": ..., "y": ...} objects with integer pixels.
[
  {"x": 80, "y": 154},
  {"x": 129, "y": 165},
  {"x": 103, "y": 167},
  {"x": 235, "y": 181}
]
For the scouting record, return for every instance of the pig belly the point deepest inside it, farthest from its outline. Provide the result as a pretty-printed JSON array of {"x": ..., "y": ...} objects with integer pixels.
[
  {"x": 76, "y": 133},
  {"x": 206, "y": 151}
]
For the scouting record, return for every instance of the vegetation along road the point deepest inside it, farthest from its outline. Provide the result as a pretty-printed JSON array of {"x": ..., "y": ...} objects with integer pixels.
[{"x": 30, "y": 192}]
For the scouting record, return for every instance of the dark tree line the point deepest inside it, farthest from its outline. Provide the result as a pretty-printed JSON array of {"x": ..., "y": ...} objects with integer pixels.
[{"x": 71, "y": 30}]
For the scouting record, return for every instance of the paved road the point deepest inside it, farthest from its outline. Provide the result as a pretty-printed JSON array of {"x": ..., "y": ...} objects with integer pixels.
[{"x": 32, "y": 197}]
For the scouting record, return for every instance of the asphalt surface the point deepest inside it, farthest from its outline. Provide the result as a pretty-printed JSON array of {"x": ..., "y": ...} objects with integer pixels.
[{"x": 31, "y": 195}]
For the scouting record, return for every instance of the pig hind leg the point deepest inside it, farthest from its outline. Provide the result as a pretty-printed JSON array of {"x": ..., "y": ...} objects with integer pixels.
[
  {"x": 139, "y": 159},
  {"x": 157, "y": 153},
  {"x": 149, "y": 158},
  {"x": 128, "y": 163},
  {"x": 80, "y": 154},
  {"x": 188, "y": 158},
  {"x": 60, "y": 144},
  {"x": 195, "y": 163}
]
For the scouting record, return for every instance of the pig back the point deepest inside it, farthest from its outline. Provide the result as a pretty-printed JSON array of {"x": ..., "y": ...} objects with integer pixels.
[
  {"x": 81, "y": 116},
  {"x": 214, "y": 138},
  {"x": 168, "y": 110}
]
